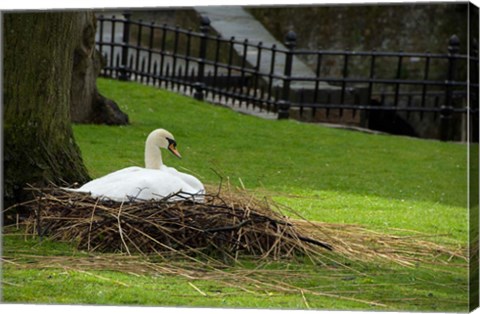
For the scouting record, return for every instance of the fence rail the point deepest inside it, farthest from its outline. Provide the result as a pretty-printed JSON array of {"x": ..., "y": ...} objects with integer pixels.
[{"x": 367, "y": 88}]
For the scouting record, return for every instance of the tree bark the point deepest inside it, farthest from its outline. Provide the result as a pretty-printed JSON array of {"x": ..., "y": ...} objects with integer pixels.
[
  {"x": 39, "y": 146},
  {"x": 87, "y": 104}
]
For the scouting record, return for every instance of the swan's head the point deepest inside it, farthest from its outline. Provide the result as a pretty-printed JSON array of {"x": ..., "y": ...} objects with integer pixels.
[{"x": 163, "y": 139}]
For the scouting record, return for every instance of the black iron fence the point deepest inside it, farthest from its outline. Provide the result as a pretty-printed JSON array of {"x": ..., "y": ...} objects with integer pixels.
[{"x": 420, "y": 94}]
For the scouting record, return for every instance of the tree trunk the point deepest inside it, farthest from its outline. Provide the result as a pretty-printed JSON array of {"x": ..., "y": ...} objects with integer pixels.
[
  {"x": 39, "y": 147},
  {"x": 87, "y": 105}
]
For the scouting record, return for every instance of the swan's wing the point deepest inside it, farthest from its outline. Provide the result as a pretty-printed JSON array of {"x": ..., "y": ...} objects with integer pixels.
[
  {"x": 113, "y": 177},
  {"x": 135, "y": 183},
  {"x": 120, "y": 185},
  {"x": 195, "y": 184},
  {"x": 161, "y": 183}
]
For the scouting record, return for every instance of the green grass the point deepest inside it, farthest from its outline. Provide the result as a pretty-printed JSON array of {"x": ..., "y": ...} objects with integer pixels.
[
  {"x": 379, "y": 181},
  {"x": 399, "y": 288}
]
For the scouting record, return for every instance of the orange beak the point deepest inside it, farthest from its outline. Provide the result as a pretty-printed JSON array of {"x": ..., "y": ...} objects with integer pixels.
[{"x": 172, "y": 148}]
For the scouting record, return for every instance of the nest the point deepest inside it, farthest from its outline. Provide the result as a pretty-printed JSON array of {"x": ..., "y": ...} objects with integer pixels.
[
  {"x": 222, "y": 228},
  {"x": 224, "y": 225}
]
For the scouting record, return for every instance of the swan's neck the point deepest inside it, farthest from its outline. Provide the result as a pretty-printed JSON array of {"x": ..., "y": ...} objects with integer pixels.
[{"x": 153, "y": 156}]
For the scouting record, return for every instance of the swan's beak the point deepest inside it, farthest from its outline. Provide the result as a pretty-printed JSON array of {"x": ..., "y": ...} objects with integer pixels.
[{"x": 172, "y": 148}]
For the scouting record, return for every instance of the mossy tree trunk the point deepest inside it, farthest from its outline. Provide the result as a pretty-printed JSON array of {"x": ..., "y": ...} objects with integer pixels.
[{"x": 39, "y": 146}]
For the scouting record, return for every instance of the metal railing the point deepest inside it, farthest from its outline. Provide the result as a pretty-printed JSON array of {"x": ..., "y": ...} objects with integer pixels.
[{"x": 351, "y": 87}]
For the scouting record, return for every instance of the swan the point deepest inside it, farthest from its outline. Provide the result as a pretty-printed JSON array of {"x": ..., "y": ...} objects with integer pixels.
[{"x": 155, "y": 181}]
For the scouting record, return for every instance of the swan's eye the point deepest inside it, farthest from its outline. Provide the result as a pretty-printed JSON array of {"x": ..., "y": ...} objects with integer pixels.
[{"x": 171, "y": 142}]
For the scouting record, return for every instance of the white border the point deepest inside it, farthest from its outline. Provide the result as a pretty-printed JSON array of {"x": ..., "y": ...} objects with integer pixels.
[
  {"x": 6, "y": 6},
  {"x": 88, "y": 4}
]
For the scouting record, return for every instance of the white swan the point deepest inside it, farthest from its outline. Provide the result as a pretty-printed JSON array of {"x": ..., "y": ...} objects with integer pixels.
[{"x": 155, "y": 181}]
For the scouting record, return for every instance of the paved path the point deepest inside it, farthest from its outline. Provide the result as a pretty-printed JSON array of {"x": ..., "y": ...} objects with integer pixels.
[{"x": 234, "y": 21}]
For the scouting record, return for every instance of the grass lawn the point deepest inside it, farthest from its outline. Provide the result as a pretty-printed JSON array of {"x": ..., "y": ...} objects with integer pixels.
[{"x": 385, "y": 183}]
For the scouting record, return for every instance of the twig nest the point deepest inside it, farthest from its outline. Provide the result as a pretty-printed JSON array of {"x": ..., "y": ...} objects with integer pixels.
[{"x": 224, "y": 225}]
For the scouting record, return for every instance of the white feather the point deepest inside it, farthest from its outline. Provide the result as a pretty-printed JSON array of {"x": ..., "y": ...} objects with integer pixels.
[{"x": 156, "y": 181}]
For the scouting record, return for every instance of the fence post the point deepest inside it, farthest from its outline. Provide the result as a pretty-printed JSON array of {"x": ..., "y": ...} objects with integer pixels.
[
  {"x": 200, "y": 84},
  {"x": 124, "y": 71},
  {"x": 446, "y": 110},
  {"x": 284, "y": 103}
]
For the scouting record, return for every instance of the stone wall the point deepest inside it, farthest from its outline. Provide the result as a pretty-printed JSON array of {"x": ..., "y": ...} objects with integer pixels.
[
  {"x": 400, "y": 27},
  {"x": 409, "y": 27}
]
